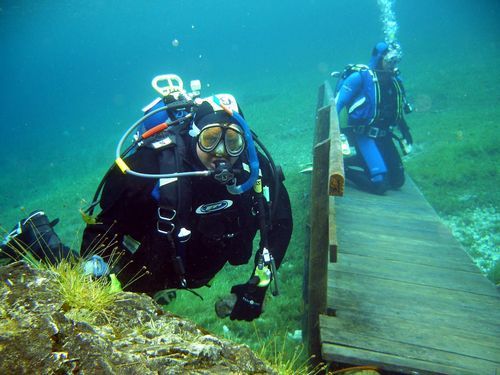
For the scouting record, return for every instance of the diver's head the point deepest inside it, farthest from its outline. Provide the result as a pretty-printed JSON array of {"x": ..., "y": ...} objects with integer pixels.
[
  {"x": 220, "y": 141},
  {"x": 390, "y": 60},
  {"x": 385, "y": 56}
]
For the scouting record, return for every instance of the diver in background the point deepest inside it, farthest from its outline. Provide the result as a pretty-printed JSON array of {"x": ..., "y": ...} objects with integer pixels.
[
  {"x": 375, "y": 100},
  {"x": 179, "y": 232}
]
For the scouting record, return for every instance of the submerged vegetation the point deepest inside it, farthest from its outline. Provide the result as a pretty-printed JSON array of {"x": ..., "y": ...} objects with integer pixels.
[
  {"x": 85, "y": 298},
  {"x": 456, "y": 162}
]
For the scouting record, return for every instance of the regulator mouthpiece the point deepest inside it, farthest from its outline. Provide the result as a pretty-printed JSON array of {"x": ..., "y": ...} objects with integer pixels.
[{"x": 223, "y": 172}]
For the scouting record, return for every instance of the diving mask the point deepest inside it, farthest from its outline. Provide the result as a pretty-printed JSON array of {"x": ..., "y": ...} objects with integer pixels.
[
  {"x": 393, "y": 55},
  {"x": 229, "y": 135},
  {"x": 391, "y": 59}
]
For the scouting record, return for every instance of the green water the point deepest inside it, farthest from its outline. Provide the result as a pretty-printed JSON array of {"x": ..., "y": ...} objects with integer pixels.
[{"x": 74, "y": 75}]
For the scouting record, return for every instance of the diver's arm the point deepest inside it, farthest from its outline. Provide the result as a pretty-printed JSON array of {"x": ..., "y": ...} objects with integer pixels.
[
  {"x": 125, "y": 206},
  {"x": 250, "y": 296},
  {"x": 348, "y": 90}
]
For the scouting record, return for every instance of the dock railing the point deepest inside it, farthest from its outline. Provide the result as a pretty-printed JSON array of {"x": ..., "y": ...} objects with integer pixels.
[{"x": 327, "y": 182}]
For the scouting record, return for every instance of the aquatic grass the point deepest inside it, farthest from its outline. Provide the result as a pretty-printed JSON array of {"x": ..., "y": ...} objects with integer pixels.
[
  {"x": 285, "y": 356},
  {"x": 478, "y": 230},
  {"x": 494, "y": 273},
  {"x": 437, "y": 174},
  {"x": 84, "y": 297},
  {"x": 456, "y": 165}
]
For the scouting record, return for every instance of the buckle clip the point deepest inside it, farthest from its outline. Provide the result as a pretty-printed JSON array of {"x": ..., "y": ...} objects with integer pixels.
[
  {"x": 373, "y": 132},
  {"x": 164, "y": 224},
  {"x": 166, "y": 213},
  {"x": 165, "y": 227}
]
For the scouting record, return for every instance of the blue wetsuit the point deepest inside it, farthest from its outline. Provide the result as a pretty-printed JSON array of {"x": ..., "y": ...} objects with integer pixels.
[{"x": 374, "y": 100}]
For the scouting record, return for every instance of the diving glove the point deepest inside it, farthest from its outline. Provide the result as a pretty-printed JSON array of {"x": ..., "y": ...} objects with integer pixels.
[
  {"x": 96, "y": 266},
  {"x": 35, "y": 234},
  {"x": 249, "y": 301}
]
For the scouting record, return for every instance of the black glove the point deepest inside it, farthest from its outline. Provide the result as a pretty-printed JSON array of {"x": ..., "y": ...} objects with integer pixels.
[
  {"x": 250, "y": 298},
  {"x": 36, "y": 235}
]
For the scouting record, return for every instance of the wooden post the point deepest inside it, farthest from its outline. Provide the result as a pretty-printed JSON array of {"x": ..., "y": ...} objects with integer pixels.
[
  {"x": 318, "y": 254},
  {"x": 336, "y": 162},
  {"x": 327, "y": 180}
]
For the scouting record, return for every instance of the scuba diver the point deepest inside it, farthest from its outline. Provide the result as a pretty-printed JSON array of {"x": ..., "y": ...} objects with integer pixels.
[
  {"x": 186, "y": 197},
  {"x": 375, "y": 100}
]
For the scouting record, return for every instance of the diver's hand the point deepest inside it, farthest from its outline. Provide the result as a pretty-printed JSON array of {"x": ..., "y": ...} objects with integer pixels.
[
  {"x": 35, "y": 234},
  {"x": 249, "y": 301},
  {"x": 96, "y": 266}
]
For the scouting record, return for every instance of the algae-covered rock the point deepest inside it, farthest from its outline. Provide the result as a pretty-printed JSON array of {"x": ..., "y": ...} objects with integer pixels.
[{"x": 40, "y": 334}]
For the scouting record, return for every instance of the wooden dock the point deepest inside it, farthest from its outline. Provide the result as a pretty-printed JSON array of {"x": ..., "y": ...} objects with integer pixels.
[{"x": 400, "y": 292}]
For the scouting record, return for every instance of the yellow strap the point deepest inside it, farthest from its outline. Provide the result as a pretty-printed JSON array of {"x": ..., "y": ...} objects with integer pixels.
[
  {"x": 257, "y": 187},
  {"x": 121, "y": 164}
]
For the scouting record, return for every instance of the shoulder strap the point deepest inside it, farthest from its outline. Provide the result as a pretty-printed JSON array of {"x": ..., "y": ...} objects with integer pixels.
[{"x": 173, "y": 206}]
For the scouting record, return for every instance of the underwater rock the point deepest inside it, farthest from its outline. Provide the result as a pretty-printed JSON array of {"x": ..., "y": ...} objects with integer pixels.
[{"x": 37, "y": 335}]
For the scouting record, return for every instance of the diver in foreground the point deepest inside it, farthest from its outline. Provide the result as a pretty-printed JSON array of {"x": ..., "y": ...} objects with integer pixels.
[
  {"x": 375, "y": 100},
  {"x": 187, "y": 197}
]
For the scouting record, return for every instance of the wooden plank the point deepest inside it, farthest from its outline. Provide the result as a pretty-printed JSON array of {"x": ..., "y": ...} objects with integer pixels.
[
  {"x": 416, "y": 274},
  {"x": 408, "y": 198},
  {"x": 427, "y": 305},
  {"x": 388, "y": 217},
  {"x": 351, "y": 234},
  {"x": 390, "y": 362},
  {"x": 428, "y": 231},
  {"x": 418, "y": 252},
  {"x": 465, "y": 322},
  {"x": 402, "y": 200},
  {"x": 321, "y": 130},
  {"x": 321, "y": 97},
  {"x": 332, "y": 231},
  {"x": 374, "y": 211},
  {"x": 408, "y": 343},
  {"x": 329, "y": 97},
  {"x": 362, "y": 283},
  {"x": 336, "y": 163},
  {"x": 318, "y": 253}
]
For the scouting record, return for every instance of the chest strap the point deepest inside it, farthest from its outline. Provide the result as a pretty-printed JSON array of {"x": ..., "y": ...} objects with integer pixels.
[{"x": 173, "y": 208}]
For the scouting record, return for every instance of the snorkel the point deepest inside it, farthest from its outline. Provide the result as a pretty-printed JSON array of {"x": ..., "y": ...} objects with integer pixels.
[{"x": 253, "y": 161}]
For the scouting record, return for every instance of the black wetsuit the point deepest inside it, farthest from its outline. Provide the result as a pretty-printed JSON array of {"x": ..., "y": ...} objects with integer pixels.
[{"x": 220, "y": 233}]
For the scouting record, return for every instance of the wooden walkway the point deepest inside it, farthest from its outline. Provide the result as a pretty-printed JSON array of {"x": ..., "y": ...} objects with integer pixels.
[
  {"x": 405, "y": 294},
  {"x": 402, "y": 294}
]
